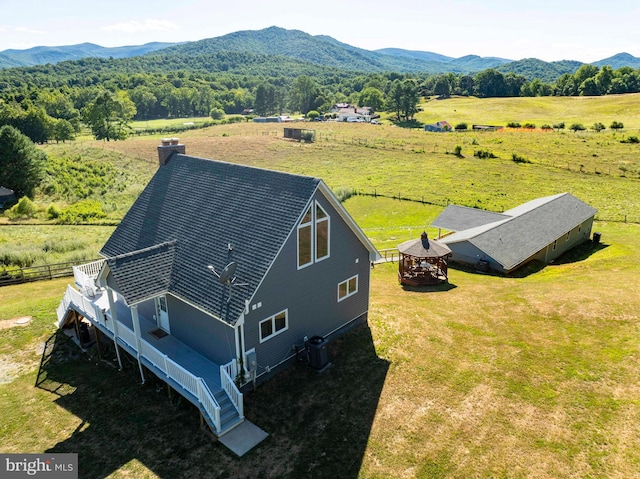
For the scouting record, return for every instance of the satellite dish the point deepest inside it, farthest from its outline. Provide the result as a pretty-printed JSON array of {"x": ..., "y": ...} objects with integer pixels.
[
  {"x": 228, "y": 277},
  {"x": 228, "y": 273}
]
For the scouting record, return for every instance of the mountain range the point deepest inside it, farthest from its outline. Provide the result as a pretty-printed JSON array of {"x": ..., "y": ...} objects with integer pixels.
[{"x": 319, "y": 50}]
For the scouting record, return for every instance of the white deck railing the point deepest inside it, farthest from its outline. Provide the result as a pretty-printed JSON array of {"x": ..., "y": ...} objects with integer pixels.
[
  {"x": 209, "y": 403},
  {"x": 127, "y": 335},
  {"x": 229, "y": 386},
  {"x": 85, "y": 276},
  {"x": 194, "y": 384},
  {"x": 90, "y": 269},
  {"x": 88, "y": 309}
]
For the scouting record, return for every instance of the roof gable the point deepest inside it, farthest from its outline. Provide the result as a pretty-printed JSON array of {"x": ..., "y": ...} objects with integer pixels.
[
  {"x": 143, "y": 274},
  {"x": 203, "y": 206}
]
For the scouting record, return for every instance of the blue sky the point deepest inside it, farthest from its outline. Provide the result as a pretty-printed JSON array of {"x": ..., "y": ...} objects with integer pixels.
[{"x": 584, "y": 30}]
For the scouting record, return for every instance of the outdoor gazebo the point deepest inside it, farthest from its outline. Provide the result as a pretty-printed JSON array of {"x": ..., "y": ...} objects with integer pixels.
[{"x": 423, "y": 261}]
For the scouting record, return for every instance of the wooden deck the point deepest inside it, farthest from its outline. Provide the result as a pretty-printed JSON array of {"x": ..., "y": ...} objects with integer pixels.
[
  {"x": 175, "y": 349},
  {"x": 153, "y": 352}
]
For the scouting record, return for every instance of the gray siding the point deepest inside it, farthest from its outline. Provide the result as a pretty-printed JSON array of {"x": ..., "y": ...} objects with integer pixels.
[
  {"x": 575, "y": 238},
  {"x": 208, "y": 336},
  {"x": 310, "y": 295},
  {"x": 465, "y": 252}
]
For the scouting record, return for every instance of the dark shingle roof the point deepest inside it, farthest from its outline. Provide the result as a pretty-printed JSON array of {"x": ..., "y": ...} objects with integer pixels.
[
  {"x": 145, "y": 273},
  {"x": 204, "y": 205}
]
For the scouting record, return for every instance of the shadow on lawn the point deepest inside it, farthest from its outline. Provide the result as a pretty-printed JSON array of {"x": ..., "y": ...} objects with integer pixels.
[{"x": 319, "y": 423}]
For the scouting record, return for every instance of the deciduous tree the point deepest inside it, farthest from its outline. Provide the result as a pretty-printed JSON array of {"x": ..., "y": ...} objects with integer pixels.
[
  {"x": 21, "y": 163},
  {"x": 109, "y": 115}
]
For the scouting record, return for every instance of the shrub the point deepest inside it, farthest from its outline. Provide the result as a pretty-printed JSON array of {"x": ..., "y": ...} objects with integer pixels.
[
  {"x": 217, "y": 113},
  {"x": 519, "y": 159},
  {"x": 461, "y": 126},
  {"x": 631, "y": 139},
  {"x": 22, "y": 210},
  {"x": 312, "y": 115},
  {"x": 577, "y": 127},
  {"x": 307, "y": 137},
  {"x": 530, "y": 126},
  {"x": 53, "y": 212},
  {"x": 559, "y": 126},
  {"x": 597, "y": 126},
  {"x": 546, "y": 127},
  {"x": 343, "y": 193},
  {"x": 513, "y": 124},
  {"x": 616, "y": 125},
  {"x": 82, "y": 211},
  {"x": 458, "y": 151},
  {"x": 482, "y": 154}
]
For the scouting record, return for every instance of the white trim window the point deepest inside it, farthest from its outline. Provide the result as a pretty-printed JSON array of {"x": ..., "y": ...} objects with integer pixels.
[
  {"x": 276, "y": 324},
  {"x": 313, "y": 236},
  {"x": 348, "y": 288}
]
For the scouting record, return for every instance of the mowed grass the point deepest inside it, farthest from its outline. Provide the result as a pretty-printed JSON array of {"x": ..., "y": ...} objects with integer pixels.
[{"x": 489, "y": 377}]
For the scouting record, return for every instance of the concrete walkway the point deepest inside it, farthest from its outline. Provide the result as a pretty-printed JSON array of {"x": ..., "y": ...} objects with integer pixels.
[{"x": 243, "y": 438}]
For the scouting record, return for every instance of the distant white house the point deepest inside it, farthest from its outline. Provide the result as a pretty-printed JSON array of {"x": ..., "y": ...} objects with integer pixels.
[{"x": 541, "y": 229}]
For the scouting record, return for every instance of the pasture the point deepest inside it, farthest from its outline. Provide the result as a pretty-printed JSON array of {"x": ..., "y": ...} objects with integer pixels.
[{"x": 534, "y": 376}]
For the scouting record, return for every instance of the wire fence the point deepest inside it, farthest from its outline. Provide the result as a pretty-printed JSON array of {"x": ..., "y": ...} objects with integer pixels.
[{"x": 619, "y": 218}]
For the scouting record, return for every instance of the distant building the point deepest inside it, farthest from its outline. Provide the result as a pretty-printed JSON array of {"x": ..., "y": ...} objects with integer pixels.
[{"x": 438, "y": 127}]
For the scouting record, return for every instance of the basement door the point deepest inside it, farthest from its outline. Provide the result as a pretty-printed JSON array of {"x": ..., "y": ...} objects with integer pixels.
[{"x": 163, "y": 313}]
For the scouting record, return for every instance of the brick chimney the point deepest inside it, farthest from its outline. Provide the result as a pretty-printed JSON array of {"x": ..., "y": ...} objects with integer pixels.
[{"x": 167, "y": 148}]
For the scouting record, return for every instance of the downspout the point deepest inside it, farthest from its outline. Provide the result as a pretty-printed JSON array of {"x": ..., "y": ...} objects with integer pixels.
[{"x": 239, "y": 336}]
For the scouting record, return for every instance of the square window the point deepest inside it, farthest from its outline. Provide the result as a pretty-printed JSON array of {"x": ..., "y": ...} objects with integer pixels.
[
  {"x": 348, "y": 288},
  {"x": 273, "y": 326},
  {"x": 281, "y": 321},
  {"x": 266, "y": 329}
]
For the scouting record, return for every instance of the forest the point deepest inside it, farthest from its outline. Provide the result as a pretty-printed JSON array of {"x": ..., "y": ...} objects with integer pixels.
[{"x": 54, "y": 102}]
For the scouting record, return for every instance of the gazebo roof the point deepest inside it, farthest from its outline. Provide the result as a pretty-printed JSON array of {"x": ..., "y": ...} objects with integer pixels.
[{"x": 424, "y": 248}]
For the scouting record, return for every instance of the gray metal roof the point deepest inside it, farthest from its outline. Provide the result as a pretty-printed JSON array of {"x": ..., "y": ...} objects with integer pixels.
[
  {"x": 201, "y": 206},
  {"x": 527, "y": 228},
  {"x": 459, "y": 218}
]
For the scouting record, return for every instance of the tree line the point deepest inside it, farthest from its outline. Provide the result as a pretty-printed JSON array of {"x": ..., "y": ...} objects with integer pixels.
[{"x": 54, "y": 102}]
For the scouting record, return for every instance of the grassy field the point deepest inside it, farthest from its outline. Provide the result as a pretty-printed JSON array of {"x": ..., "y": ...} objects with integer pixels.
[
  {"x": 529, "y": 377},
  {"x": 586, "y": 110},
  {"x": 488, "y": 377},
  {"x": 169, "y": 122}
]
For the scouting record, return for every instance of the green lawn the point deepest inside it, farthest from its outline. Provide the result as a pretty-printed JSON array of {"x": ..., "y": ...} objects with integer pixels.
[
  {"x": 535, "y": 376},
  {"x": 490, "y": 377}
]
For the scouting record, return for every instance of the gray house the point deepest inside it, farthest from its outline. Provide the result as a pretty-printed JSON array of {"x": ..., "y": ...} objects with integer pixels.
[
  {"x": 541, "y": 229},
  {"x": 219, "y": 274}
]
